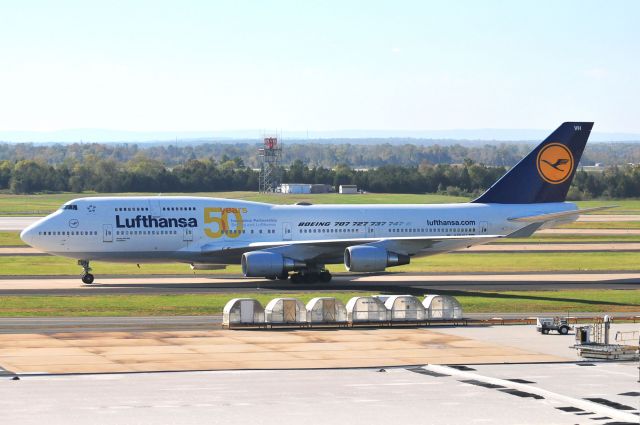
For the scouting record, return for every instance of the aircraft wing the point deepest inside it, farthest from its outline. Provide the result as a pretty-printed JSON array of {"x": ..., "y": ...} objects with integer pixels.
[
  {"x": 333, "y": 249},
  {"x": 541, "y": 218}
]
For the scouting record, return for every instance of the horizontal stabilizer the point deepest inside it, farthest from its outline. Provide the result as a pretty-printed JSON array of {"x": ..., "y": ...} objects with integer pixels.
[
  {"x": 526, "y": 231},
  {"x": 555, "y": 216}
]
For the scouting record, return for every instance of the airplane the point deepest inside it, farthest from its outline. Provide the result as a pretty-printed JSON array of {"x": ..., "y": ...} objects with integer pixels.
[{"x": 296, "y": 242}]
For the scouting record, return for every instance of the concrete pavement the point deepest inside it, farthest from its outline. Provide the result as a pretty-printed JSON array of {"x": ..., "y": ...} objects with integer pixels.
[{"x": 385, "y": 282}]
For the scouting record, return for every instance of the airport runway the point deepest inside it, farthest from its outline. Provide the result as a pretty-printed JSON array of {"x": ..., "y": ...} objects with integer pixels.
[
  {"x": 589, "y": 232},
  {"x": 16, "y": 223},
  {"x": 551, "y": 247},
  {"x": 609, "y": 217},
  {"x": 398, "y": 283},
  {"x": 562, "y": 394},
  {"x": 442, "y": 375}
]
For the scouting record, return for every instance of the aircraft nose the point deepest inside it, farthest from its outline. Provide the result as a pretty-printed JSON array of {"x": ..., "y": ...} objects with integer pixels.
[{"x": 27, "y": 235}]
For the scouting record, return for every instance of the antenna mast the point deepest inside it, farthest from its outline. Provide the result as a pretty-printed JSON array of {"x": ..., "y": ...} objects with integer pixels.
[{"x": 270, "y": 157}]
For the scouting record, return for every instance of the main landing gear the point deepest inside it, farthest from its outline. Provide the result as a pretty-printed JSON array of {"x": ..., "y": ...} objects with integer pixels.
[
  {"x": 312, "y": 273},
  {"x": 281, "y": 276},
  {"x": 304, "y": 276},
  {"x": 87, "y": 277}
]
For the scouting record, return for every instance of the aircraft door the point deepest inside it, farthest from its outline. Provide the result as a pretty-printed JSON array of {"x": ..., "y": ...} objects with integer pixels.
[
  {"x": 107, "y": 233},
  {"x": 483, "y": 227},
  {"x": 371, "y": 232},
  {"x": 154, "y": 208},
  {"x": 187, "y": 234},
  {"x": 286, "y": 231}
]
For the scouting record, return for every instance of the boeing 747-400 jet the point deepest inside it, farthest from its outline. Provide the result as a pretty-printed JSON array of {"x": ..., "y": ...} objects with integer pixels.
[{"x": 298, "y": 241}]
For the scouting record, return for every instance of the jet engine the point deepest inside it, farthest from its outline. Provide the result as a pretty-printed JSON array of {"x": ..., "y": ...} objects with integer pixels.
[
  {"x": 264, "y": 263},
  {"x": 364, "y": 258}
]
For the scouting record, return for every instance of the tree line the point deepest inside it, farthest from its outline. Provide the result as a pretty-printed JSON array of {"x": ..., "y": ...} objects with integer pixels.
[
  {"x": 142, "y": 174},
  {"x": 315, "y": 154}
]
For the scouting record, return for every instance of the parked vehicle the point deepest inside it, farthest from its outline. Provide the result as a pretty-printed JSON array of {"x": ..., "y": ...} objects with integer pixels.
[{"x": 546, "y": 324}]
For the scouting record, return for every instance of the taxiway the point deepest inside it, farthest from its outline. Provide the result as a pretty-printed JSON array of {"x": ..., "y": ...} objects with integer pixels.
[{"x": 392, "y": 283}]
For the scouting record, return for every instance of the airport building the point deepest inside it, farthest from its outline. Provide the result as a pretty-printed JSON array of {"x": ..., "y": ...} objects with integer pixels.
[
  {"x": 347, "y": 189},
  {"x": 302, "y": 188},
  {"x": 295, "y": 188}
]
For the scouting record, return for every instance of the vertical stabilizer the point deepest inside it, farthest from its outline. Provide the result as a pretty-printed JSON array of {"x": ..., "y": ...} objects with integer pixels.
[{"x": 546, "y": 173}]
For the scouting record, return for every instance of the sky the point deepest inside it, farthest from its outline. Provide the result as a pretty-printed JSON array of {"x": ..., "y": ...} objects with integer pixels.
[{"x": 315, "y": 66}]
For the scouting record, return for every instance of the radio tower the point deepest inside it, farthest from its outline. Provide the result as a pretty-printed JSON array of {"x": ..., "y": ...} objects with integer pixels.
[{"x": 270, "y": 157}]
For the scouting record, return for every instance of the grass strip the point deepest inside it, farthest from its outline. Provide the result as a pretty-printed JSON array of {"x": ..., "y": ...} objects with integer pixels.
[
  {"x": 11, "y": 239},
  {"x": 46, "y": 203},
  {"x": 596, "y": 301},
  {"x": 21, "y": 265},
  {"x": 40, "y": 204}
]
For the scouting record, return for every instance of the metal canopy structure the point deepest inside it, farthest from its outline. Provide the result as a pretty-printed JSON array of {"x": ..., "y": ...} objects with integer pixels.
[
  {"x": 285, "y": 311},
  {"x": 405, "y": 308},
  {"x": 326, "y": 310},
  {"x": 443, "y": 307},
  {"x": 242, "y": 311},
  {"x": 366, "y": 309}
]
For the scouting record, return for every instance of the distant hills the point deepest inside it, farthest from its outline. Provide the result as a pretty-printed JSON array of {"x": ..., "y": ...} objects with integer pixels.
[{"x": 344, "y": 136}]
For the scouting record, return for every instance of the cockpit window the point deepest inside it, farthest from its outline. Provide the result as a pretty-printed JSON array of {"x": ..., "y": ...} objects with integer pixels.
[{"x": 70, "y": 207}]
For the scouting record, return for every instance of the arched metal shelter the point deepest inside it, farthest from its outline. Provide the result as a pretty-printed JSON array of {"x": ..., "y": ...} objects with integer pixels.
[
  {"x": 326, "y": 310},
  {"x": 443, "y": 307},
  {"x": 242, "y": 311}
]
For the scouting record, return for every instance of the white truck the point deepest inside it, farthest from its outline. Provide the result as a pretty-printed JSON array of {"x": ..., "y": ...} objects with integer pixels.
[{"x": 546, "y": 324}]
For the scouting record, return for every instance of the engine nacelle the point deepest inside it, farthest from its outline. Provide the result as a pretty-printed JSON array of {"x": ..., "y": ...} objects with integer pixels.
[
  {"x": 264, "y": 263},
  {"x": 363, "y": 258}
]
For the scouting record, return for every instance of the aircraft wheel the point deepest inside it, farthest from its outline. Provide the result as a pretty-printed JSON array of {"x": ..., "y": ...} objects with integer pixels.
[
  {"x": 313, "y": 278},
  {"x": 325, "y": 277},
  {"x": 283, "y": 276},
  {"x": 296, "y": 278},
  {"x": 87, "y": 278}
]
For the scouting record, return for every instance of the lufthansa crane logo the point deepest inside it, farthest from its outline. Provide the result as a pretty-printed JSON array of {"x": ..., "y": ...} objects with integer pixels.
[{"x": 555, "y": 163}]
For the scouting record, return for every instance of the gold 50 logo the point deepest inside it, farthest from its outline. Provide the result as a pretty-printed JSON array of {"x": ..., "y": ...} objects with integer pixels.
[
  {"x": 555, "y": 163},
  {"x": 224, "y": 221}
]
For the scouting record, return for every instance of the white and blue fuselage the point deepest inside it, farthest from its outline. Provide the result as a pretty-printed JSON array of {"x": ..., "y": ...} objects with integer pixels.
[
  {"x": 273, "y": 240},
  {"x": 218, "y": 231}
]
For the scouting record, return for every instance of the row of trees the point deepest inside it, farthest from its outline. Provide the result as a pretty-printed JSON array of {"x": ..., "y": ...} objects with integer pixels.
[
  {"x": 314, "y": 154},
  {"x": 147, "y": 175},
  {"x": 612, "y": 182},
  {"x": 142, "y": 174}
]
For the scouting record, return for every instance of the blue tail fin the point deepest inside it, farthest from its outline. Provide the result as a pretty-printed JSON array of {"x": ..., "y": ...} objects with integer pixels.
[{"x": 546, "y": 173}]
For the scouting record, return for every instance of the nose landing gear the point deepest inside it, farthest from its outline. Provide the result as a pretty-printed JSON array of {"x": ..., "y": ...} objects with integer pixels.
[{"x": 87, "y": 277}]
